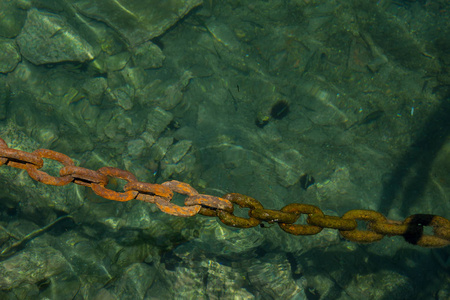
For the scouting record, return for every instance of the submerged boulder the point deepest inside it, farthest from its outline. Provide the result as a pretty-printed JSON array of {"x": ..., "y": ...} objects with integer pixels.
[
  {"x": 135, "y": 20},
  {"x": 48, "y": 38}
]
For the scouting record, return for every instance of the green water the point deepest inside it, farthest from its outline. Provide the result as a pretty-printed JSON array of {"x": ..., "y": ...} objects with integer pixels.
[{"x": 339, "y": 104}]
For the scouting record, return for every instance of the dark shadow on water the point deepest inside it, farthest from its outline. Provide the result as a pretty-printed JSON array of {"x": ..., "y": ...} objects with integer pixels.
[
  {"x": 410, "y": 177},
  {"x": 404, "y": 274}
]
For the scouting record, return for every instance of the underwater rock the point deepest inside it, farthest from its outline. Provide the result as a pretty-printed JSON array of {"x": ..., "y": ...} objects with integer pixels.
[
  {"x": 185, "y": 165},
  {"x": 273, "y": 275},
  {"x": 117, "y": 62},
  {"x": 384, "y": 284},
  {"x": 192, "y": 271},
  {"x": 139, "y": 217},
  {"x": 174, "y": 93},
  {"x": 9, "y": 55},
  {"x": 85, "y": 254},
  {"x": 137, "y": 21},
  {"x": 218, "y": 239},
  {"x": 170, "y": 169},
  {"x": 288, "y": 167},
  {"x": 148, "y": 138},
  {"x": 63, "y": 286},
  {"x": 340, "y": 187},
  {"x": 148, "y": 56},
  {"x": 177, "y": 151},
  {"x": 134, "y": 77},
  {"x": 124, "y": 96},
  {"x": 118, "y": 128},
  {"x": 4, "y": 98},
  {"x": 184, "y": 282},
  {"x": 166, "y": 96},
  {"x": 136, "y": 147},
  {"x": 95, "y": 88},
  {"x": 47, "y": 38},
  {"x": 322, "y": 105},
  {"x": 159, "y": 149},
  {"x": 134, "y": 281},
  {"x": 174, "y": 161},
  {"x": 31, "y": 266},
  {"x": 223, "y": 34},
  {"x": 12, "y": 17},
  {"x": 225, "y": 282},
  {"x": 46, "y": 136},
  {"x": 158, "y": 119},
  {"x": 4, "y": 237}
]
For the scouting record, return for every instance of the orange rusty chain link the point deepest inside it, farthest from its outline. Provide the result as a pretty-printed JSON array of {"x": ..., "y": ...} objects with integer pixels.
[{"x": 377, "y": 225}]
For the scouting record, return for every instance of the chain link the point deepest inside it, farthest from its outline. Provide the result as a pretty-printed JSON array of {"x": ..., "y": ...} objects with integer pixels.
[
  {"x": 377, "y": 225},
  {"x": 43, "y": 177}
]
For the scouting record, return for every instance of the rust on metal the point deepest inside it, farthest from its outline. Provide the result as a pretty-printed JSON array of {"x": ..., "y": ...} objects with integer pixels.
[
  {"x": 331, "y": 222},
  {"x": 106, "y": 193},
  {"x": 175, "y": 210},
  {"x": 180, "y": 187},
  {"x": 244, "y": 202},
  {"x": 146, "y": 198},
  {"x": 118, "y": 173},
  {"x": 19, "y": 159},
  {"x": 113, "y": 195},
  {"x": 208, "y": 212},
  {"x": 235, "y": 221},
  {"x": 46, "y": 178},
  {"x": 209, "y": 202},
  {"x": 146, "y": 189},
  {"x": 441, "y": 230},
  {"x": 377, "y": 225},
  {"x": 271, "y": 216},
  {"x": 441, "y": 226},
  {"x": 363, "y": 236},
  {"x": 298, "y": 209},
  {"x": 3, "y": 144},
  {"x": 83, "y": 176},
  {"x": 389, "y": 229}
]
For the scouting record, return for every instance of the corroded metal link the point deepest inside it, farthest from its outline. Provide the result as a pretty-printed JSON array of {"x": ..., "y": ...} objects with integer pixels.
[
  {"x": 363, "y": 236},
  {"x": 147, "y": 190},
  {"x": 270, "y": 215},
  {"x": 331, "y": 222},
  {"x": 429, "y": 241},
  {"x": 109, "y": 194},
  {"x": 235, "y": 221},
  {"x": 3, "y": 144},
  {"x": 441, "y": 226},
  {"x": 148, "y": 198},
  {"x": 411, "y": 229},
  {"x": 244, "y": 202},
  {"x": 209, "y": 202},
  {"x": 298, "y": 209},
  {"x": 390, "y": 229},
  {"x": 19, "y": 159},
  {"x": 44, "y": 177},
  {"x": 83, "y": 176},
  {"x": 180, "y": 187},
  {"x": 172, "y": 209},
  {"x": 441, "y": 230},
  {"x": 208, "y": 212},
  {"x": 169, "y": 208}
]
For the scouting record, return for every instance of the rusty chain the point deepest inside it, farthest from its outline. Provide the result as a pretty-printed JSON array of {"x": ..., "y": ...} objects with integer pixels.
[{"x": 377, "y": 225}]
